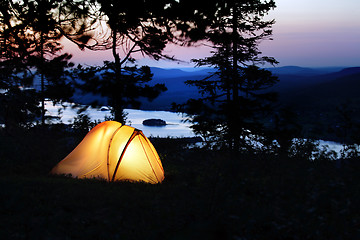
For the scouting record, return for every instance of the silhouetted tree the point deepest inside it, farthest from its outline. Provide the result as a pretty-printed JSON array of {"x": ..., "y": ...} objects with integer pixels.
[
  {"x": 30, "y": 48},
  {"x": 347, "y": 129},
  {"x": 41, "y": 18},
  {"x": 134, "y": 27},
  {"x": 124, "y": 93},
  {"x": 234, "y": 97},
  {"x": 286, "y": 128},
  {"x": 17, "y": 100}
]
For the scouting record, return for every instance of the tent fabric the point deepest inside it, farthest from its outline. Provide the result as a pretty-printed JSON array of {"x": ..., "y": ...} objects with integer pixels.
[{"x": 114, "y": 152}]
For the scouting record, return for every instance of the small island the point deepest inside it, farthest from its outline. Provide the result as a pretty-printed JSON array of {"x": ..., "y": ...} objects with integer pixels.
[{"x": 154, "y": 122}]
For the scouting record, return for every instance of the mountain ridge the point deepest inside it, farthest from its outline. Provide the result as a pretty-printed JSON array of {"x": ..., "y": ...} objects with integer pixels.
[{"x": 289, "y": 84}]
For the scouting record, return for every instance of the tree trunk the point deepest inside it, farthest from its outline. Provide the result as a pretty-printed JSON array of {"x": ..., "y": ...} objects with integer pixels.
[
  {"x": 234, "y": 128},
  {"x": 227, "y": 76},
  {"x": 118, "y": 108},
  {"x": 42, "y": 95}
]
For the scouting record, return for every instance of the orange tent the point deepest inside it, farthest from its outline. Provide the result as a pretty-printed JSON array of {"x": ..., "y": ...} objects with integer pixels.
[{"x": 113, "y": 151}]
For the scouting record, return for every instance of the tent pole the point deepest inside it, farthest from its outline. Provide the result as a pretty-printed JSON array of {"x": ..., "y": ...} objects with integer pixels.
[
  {"x": 133, "y": 135},
  {"x": 108, "y": 152}
]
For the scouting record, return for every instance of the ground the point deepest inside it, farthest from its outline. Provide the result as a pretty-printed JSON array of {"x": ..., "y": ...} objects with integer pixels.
[{"x": 205, "y": 195}]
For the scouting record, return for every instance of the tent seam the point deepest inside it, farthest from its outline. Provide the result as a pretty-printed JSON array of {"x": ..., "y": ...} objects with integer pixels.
[
  {"x": 142, "y": 145},
  {"x": 135, "y": 132},
  {"x": 108, "y": 152},
  {"x": 155, "y": 155}
]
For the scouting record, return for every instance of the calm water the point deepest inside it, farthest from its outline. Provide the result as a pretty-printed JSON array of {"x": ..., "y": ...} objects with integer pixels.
[{"x": 175, "y": 128}]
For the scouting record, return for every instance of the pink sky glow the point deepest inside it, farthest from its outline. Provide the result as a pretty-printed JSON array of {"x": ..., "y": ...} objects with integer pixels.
[{"x": 308, "y": 33}]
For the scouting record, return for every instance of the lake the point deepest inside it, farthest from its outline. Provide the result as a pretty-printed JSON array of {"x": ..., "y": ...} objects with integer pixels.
[{"x": 176, "y": 127}]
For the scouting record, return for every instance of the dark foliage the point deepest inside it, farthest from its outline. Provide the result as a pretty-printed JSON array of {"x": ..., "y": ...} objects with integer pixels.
[
  {"x": 205, "y": 195},
  {"x": 30, "y": 57},
  {"x": 234, "y": 101},
  {"x": 138, "y": 27},
  {"x": 123, "y": 91}
]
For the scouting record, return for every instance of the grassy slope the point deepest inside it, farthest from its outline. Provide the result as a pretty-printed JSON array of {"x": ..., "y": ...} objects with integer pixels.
[{"x": 205, "y": 195}]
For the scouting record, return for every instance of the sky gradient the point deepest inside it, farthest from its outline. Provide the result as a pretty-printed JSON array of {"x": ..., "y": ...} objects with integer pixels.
[{"x": 307, "y": 33}]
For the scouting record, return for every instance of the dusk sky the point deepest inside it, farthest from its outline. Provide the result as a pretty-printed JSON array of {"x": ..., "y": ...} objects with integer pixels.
[{"x": 307, "y": 33}]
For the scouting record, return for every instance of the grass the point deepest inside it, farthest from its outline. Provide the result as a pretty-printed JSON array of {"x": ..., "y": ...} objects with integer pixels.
[{"x": 205, "y": 195}]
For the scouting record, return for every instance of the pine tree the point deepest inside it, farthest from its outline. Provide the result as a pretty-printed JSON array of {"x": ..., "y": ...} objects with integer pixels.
[
  {"x": 31, "y": 49},
  {"x": 134, "y": 27},
  {"x": 234, "y": 97}
]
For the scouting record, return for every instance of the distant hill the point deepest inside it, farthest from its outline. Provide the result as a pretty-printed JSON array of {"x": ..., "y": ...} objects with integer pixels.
[
  {"x": 302, "y": 71},
  {"x": 292, "y": 81},
  {"x": 292, "y": 84},
  {"x": 317, "y": 100},
  {"x": 178, "y": 92},
  {"x": 314, "y": 94},
  {"x": 341, "y": 87},
  {"x": 174, "y": 79},
  {"x": 296, "y": 85},
  {"x": 161, "y": 73}
]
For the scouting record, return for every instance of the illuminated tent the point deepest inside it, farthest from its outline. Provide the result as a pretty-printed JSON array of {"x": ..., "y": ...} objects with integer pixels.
[{"x": 113, "y": 152}]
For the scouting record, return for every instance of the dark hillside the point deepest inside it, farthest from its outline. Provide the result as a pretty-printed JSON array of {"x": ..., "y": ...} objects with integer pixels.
[
  {"x": 205, "y": 195},
  {"x": 344, "y": 89},
  {"x": 301, "y": 71},
  {"x": 300, "y": 86},
  {"x": 174, "y": 80},
  {"x": 161, "y": 73},
  {"x": 291, "y": 84},
  {"x": 292, "y": 81},
  {"x": 178, "y": 91},
  {"x": 319, "y": 105}
]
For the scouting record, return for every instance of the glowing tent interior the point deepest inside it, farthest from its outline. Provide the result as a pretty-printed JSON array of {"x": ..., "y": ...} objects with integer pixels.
[{"x": 114, "y": 152}]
